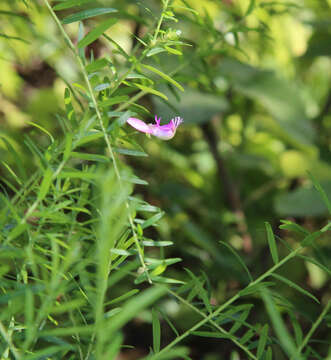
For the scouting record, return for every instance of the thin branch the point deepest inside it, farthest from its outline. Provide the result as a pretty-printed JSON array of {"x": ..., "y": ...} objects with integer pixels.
[
  {"x": 226, "y": 304},
  {"x": 218, "y": 327},
  {"x": 314, "y": 327},
  {"x": 99, "y": 116}
]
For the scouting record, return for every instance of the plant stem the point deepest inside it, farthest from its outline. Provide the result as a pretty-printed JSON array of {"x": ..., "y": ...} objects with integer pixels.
[
  {"x": 219, "y": 328},
  {"x": 314, "y": 327},
  {"x": 99, "y": 116},
  {"x": 165, "y": 6},
  {"x": 226, "y": 304}
]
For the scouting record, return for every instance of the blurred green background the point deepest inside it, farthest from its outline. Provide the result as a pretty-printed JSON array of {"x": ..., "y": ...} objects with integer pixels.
[{"x": 257, "y": 119}]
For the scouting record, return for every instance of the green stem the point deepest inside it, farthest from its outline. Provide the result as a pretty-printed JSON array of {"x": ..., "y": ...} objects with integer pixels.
[
  {"x": 314, "y": 327},
  {"x": 219, "y": 328},
  {"x": 226, "y": 304},
  {"x": 99, "y": 116},
  {"x": 165, "y": 6}
]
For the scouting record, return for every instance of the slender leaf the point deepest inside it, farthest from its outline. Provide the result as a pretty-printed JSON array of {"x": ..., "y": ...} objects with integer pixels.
[
  {"x": 272, "y": 243},
  {"x": 262, "y": 341},
  {"x": 281, "y": 331},
  {"x": 156, "y": 331},
  {"x": 240, "y": 260},
  {"x": 70, "y": 3},
  {"x": 96, "y": 32},
  {"x": 152, "y": 220},
  {"x": 45, "y": 184},
  {"x": 85, "y": 14},
  {"x": 321, "y": 191},
  {"x": 294, "y": 286},
  {"x": 163, "y": 76},
  {"x": 151, "y": 91},
  {"x": 133, "y": 306}
]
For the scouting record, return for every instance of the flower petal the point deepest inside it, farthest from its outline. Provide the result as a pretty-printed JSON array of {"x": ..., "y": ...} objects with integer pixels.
[{"x": 139, "y": 125}]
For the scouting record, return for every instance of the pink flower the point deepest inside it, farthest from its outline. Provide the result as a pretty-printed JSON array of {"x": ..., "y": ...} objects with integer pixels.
[{"x": 164, "y": 132}]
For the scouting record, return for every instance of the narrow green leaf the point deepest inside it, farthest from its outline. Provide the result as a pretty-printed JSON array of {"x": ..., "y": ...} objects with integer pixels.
[
  {"x": 90, "y": 157},
  {"x": 147, "y": 208},
  {"x": 12, "y": 172},
  {"x": 132, "y": 307},
  {"x": 163, "y": 76},
  {"x": 67, "y": 306},
  {"x": 262, "y": 341},
  {"x": 294, "y": 286},
  {"x": 10, "y": 13},
  {"x": 327, "y": 227},
  {"x": 15, "y": 155},
  {"x": 173, "y": 51},
  {"x": 17, "y": 231},
  {"x": 9, "y": 37},
  {"x": 70, "y": 111},
  {"x": 96, "y": 32},
  {"x": 240, "y": 260},
  {"x": 45, "y": 184},
  {"x": 156, "y": 331},
  {"x": 247, "y": 336},
  {"x": 102, "y": 86},
  {"x": 123, "y": 297},
  {"x": 250, "y": 8},
  {"x": 68, "y": 331},
  {"x": 78, "y": 175},
  {"x": 272, "y": 243},
  {"x": 138, "y": 76},
  {"x": 96, "y": 65},
  {"x": 211, "y": 334},
  {"x": 70, "y": 3},
  {"x": 152, "y": 220},
  {"x": 134, "y": 180},
  {"x": 268, "y": 355},
  {"x": 321, "y": 191},
  {"x": 48, "y": 351},
  {"x": 155, "y": 51},
  {"x": 151, "y": 91},
  {"x": 157, "y": 279},
  {"x": 114, "y": 100},
  {"x": 42, "y": 129},
  {"x": 85, "y": 14},
  {"x": 67, "y": 147},
  {"x": 297, "y": 328},
  {"x": 252, "y": 289},
  {"x": 239, "y": 322},
  {"x": 283, "y": 335},
  {"x": 130, "y": 152},
  {"x": 89, "y": 137},
  {"x": 166, "y": 318},
  {"x": 157, "y": 243},
  {"x": 290, "y": 225},
  {"x": 315, "y": 262},
  {"x": 199, "y": 290},
  {"x": 155, "y": 262}
]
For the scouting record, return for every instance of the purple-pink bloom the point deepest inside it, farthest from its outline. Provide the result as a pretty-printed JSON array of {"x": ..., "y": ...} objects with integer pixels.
[{"x": 163, "y": 132}]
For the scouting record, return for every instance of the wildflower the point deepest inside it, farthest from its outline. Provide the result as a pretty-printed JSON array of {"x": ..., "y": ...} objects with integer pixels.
[{"x": 164, "y": 132}]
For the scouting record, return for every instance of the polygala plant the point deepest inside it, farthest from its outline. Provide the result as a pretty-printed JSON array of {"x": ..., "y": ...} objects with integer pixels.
[{"x": 91, "y": 267}]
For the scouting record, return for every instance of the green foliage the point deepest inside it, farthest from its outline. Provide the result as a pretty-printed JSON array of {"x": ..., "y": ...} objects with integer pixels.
[{"x": 113, "y": 244}]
